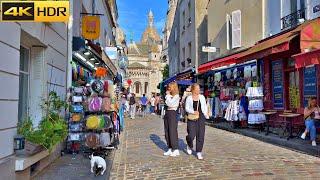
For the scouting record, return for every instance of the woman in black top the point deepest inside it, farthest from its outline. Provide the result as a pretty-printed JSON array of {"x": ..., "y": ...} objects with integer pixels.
[{"x": 196, "y": 105}]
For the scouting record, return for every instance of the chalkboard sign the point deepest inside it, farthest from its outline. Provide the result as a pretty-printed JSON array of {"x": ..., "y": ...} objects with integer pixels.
[
  {"x": 309, "y": 84},
  {"x": 277, "y": 84}
]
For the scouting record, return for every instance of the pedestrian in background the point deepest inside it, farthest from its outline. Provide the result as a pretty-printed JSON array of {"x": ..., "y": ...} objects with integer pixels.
[
  {"x": 144, "y": 103},
  {"x": 197, "y": 110},
  {"x": 132, "y": 104},
  {"x": 152, "y": 104},
  {"x": 170, "y": 119}
]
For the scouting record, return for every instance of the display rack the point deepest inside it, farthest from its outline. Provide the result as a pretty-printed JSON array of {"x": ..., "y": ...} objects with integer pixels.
[{"x": 255, "y": 95}]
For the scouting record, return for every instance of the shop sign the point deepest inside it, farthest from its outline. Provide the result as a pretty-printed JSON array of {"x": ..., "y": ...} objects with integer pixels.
[
  {"x": 90, "y": 27},
  {"x": 309, "y": 84},
  {"x": 316, "y": 8},
  {"x": 277, "y": 83}
]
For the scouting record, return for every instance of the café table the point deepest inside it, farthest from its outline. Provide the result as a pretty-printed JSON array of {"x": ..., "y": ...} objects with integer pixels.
[
  {"x": 289, "y": 117},
  {"x": 268, "y": 114}
]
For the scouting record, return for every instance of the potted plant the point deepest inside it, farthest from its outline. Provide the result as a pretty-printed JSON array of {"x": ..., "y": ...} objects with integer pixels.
[{"x": 51, "y": 130}]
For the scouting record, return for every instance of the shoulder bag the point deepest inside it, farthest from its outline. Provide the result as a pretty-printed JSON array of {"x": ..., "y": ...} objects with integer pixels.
[{"x": 194, "y": 117}]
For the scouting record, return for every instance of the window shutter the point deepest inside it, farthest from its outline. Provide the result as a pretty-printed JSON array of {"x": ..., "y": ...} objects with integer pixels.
[
  {"x": 228, "y": 31},
  {"x": 236, "y": 29}
]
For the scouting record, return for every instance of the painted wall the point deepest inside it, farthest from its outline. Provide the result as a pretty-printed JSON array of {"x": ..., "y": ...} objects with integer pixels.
[
  {"x": 48, "y": 55},
  {"x": 251, "y": 24}
]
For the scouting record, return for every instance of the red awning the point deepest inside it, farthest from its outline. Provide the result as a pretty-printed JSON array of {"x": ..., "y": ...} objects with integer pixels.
[
  {"x": 225, "y": 61},
  {"x": 307, "y": 58}
]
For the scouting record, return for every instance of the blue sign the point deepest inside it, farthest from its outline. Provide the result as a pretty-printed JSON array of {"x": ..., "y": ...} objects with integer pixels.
[
  {"x": 309, "y": 84},
  {"x": 277, "y": 84}
]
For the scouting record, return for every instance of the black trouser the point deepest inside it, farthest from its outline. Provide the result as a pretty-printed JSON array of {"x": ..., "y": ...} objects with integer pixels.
[
  {"x": 196, "y": 129},
  {"x": 170, "y": 129}
]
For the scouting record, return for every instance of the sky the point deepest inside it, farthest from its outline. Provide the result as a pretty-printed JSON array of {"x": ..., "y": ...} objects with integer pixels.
[{"x": 133, "y": 16}]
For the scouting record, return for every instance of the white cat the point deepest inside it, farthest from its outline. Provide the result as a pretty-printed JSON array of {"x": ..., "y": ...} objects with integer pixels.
[{"x": 99, "y": 162}]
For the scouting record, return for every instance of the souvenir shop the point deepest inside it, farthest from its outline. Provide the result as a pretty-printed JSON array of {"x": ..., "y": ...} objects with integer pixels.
[
  {"x": 234, "y": 92},
  {"x": 94, "y": 120}
]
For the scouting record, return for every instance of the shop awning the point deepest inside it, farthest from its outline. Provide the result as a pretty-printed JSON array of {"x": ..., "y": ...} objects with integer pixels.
[
  {"x": 187, "y": 74},
  {"x": 307, "y": 58},
  {"x": 225, "y": 61},
  {"x": 308, "y": 32},
  {"x": 169, "y": 80},
  {"x": 269, "y": 46},
  {"x": 185, "y": 82}
]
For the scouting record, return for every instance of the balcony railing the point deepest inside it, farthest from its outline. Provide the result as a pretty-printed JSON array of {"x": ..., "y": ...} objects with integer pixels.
[{"x": 292, "y": 20}]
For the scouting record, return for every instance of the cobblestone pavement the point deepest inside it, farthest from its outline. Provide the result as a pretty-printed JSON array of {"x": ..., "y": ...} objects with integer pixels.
[
  {"x": 72, "y": 167},
  {"x": 227, "y": 156}
]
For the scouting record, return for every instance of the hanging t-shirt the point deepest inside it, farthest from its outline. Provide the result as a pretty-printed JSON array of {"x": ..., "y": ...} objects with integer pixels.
[
  {"x": 247, "y": 71},
  {"x": 254, "y": 71}
]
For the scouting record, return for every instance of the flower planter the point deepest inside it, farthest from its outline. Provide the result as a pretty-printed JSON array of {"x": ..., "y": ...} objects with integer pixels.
[{"x": 31, "y": 148}]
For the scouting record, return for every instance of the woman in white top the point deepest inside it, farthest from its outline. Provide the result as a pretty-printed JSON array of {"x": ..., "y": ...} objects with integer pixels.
[
  {"x": 170, "y": 120},
  {"x": 196, "y": 105}
]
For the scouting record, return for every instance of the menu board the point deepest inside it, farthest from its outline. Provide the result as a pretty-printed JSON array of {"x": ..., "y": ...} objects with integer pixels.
[
  {"x": 277, "y": 84},
  {"x": 309, "y": 84}
]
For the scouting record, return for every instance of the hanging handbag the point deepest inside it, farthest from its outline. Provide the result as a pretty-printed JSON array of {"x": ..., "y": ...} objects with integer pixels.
[
  {"x": 95, "y": 104},
  {"x": 77, "y": 99},
  {"x": 77, "y": 108},
  {"x": 194, "y": 117},
  {"x": 76, "y": 117},
  {"x": 78, "y": 90},
  {"x": 92, "y": 140},
  {"x": 93, "y": 122}
]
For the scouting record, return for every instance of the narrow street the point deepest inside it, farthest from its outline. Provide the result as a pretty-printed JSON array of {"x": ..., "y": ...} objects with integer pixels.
[{"x": 227, "y": 156}]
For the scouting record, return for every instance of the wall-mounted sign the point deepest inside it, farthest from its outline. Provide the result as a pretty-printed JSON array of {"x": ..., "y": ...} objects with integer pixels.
[
  {"x": 277, "y": 84},
  {"x": 209, "y": 49},
  {"x": 90, "y": 27},
  {"x": 112, "y": 52},
  {"x": 316, "y": 8},
  {"x": 309, "y": 84}
]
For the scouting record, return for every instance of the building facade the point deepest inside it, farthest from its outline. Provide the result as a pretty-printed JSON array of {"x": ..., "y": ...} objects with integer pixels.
[
  {"x": 34, "y": 62},
  {"x": 190, "y": 21},
  {"x": 172, "y": 6},
  {"x": 234, "y": 26},
  {"x": 145, "y": 67}
]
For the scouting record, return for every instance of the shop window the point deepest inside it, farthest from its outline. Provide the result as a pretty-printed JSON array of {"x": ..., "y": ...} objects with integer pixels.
[
  {"x": 23, "y": 83},
  {"x": 145, "y": 87}
]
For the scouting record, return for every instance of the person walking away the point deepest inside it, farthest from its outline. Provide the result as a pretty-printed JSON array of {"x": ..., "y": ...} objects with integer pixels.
[
  {"x": 311, "y": 112},
  {"x": 157, "y": 104},
  {"x": 144, "y": 103},
  {"x": 132, "y": 104},
  {"x": 172, "y": 100},
  {"x": 152, "y": 104},
  {"x": 197, "y": 110}
]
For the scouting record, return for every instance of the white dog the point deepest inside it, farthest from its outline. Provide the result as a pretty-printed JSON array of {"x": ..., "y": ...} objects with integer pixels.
[{"x": 99, "y": 162}]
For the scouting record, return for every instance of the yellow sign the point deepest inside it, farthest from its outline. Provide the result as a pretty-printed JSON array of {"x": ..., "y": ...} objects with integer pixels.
[
  {"x": 91, "y": 27},
  {"x": 35, "y": 11}
]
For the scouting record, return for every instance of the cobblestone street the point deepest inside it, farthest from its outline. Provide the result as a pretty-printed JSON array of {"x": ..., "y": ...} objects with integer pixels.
[{"x": 227, "y": 156}]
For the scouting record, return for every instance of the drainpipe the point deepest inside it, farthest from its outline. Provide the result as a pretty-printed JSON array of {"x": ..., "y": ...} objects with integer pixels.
[{"x": 70, "y": 35}]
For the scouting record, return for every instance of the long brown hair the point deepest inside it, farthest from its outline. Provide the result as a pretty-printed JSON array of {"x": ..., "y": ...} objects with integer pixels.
[
  {"x": 310, "y": 101},
  {"x": 174, "y": 90}
]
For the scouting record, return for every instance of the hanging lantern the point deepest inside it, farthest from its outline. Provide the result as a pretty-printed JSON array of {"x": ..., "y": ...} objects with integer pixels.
[
  {"x": 129, "y": 81},
  {"x": 19, "y": 142},
  {"x": 101, "y": 72}
]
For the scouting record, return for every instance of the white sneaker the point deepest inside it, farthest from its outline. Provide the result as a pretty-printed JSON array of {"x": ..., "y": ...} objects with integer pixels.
[
  {"x": 189, "y": 151},
  {"x": 314, "y": 143},
  {"x": 175, "y": 153},
  {"x": 168, "y": 153},
  {"x": 199, "y": 155},
  {"x": 303, "y": 136}
]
